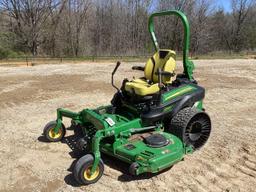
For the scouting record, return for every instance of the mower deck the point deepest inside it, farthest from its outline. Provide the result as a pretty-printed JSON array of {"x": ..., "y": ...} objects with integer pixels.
[{"x": 149, "y": 158}]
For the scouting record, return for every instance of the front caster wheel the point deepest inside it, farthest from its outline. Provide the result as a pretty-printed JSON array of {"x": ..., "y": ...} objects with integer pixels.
[
  {"x": 82, "y": 170},
  {"x": 50, "y": 134}
]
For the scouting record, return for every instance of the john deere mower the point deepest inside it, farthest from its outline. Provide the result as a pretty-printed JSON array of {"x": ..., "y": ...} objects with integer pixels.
[{"x": 152, "y": 121}]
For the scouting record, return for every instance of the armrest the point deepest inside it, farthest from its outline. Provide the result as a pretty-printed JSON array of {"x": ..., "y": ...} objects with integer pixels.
[
  {"x": 165, "y": 73},
  {"x": 162, "y": 74},
  {"x": 139, "y": 68}
]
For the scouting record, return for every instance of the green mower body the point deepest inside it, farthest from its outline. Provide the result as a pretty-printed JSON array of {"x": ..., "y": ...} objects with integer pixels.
[
  {"x": 125, "y": 140},
  {"x": 150, "y": 132}
]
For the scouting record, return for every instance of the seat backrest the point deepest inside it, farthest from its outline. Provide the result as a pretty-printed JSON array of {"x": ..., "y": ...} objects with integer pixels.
[{"x": 164, "y": 59}]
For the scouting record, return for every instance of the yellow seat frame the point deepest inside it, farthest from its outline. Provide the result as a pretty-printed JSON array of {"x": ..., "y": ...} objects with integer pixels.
[{"x": 149, "y": 84}]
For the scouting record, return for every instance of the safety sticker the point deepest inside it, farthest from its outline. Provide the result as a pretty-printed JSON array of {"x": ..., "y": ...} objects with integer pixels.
[{"x": 110, "y": 121}]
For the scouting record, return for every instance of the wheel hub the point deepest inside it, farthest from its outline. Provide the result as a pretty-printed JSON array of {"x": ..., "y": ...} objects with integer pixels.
[
  {"x": 195, "y": 131},
  {"x": 89, "y": 176},
  {"x": 54, "y": 135}
]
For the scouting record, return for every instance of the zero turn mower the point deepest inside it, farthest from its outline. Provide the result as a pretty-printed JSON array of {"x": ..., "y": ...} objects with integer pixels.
[{"x": 152, "y": 121}]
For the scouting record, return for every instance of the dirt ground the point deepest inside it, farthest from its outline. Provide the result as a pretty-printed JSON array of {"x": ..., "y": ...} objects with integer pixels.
[{"x": 29, "y": 97}]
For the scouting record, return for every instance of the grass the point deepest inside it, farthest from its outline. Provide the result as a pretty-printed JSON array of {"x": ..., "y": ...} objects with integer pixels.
[
  {"x": 30, "y": 61},
  {"x": 44, "y": 60}
]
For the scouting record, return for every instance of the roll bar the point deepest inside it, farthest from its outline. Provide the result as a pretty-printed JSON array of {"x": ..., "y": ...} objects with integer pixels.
[{"x": 187, "y": 64}]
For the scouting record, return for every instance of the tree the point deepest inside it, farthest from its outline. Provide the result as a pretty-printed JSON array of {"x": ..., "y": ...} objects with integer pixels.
[
  {"x": 119, "y": 27},
  {"x": 51, "y": 28},
  {"x": 240, "y": 10},
  {"x": 28, "y": 20},
  {"x": 199, "y": 26},
  {"x": 218, "y": 31},
  {"x": 76, "y": 19}
]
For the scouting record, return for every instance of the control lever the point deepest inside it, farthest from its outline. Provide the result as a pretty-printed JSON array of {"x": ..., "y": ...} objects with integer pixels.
[{"x": 113, "y": 73}]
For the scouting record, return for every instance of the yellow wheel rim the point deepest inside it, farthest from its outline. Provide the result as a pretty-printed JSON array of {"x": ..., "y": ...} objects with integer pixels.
[
  {"x": 87, "y": 173},
  {"x": 54, "y": 135}
]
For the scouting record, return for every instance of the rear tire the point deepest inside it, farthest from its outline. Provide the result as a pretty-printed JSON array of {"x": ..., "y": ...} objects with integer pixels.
[{"x": 193, "y": 127}]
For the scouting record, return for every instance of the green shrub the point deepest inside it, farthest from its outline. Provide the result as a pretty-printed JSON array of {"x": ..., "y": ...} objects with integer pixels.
[
  {"x": 3, "y": 53},
  {"x": 7, "y": 53}
]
